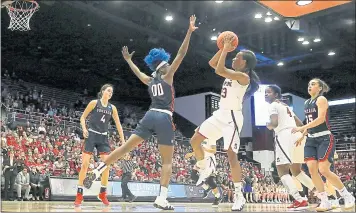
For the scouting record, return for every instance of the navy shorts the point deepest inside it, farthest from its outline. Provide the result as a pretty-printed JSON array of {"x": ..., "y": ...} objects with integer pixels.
[
  {"x": 248, "y": 188},
  {"x": 100, "y": 142},
  {"x": 320, "y": 148},
  {"x": 156, "y": 122}
]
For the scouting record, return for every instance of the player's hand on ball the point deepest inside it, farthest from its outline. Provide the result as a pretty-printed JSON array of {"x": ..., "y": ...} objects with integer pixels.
[
  {"x": 126, "y": 54},
  {"x": 192, "y": 26},
  {"x": 85, "y": 133},
  {"x": 228, "y": 41}
]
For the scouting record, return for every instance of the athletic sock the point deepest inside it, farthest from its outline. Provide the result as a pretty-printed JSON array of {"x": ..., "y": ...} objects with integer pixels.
[
  {"x": 305, "y": 180},
  {"x": 288, "y": 182},
  {"x": 163, "y": 192},
  {"x": 343, "y": 192},
  {"x": 238, "y": 188}
]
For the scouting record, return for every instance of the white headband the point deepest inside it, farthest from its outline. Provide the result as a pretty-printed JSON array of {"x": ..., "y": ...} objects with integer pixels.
[{"x": 161, "y": 65}]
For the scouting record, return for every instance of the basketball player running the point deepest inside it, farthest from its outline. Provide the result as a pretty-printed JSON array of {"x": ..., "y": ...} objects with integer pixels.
[
  {"x": 320, "y": 147},
  {"x": 159, "y": 118},
  {"x": 227, "y": 121},
  {"x": 96, "y": 136},
  {"x": 210, "y": 183},
  {"x": 282, "y": 121}
]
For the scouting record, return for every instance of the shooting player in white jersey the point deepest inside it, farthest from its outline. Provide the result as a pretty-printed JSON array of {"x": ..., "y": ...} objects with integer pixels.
[{"x": 240, "y": 83}]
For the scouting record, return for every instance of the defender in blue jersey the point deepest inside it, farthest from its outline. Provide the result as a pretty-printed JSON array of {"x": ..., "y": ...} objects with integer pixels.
[
  {"x": 159, "y": 117},
  {"x": 96, "y": 136},
  {"x": 320, "y": 147}
]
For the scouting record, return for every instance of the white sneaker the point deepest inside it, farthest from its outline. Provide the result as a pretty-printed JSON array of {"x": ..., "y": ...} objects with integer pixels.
[
  {"x": 349, "y": 201},
  {"x": 162, "y": 203},
  {"x": 239, "y": 203},
  {"x": 204, "y": 173},
  {"x": 335, "y": 204},
  {"x": 325, "y": 205}
]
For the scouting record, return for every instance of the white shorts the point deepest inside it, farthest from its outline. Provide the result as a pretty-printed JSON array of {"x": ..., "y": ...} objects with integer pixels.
[
  {"x": 210, "y": 162},
  {"x": 226, "y": 124},
  {"x": 285, "y": 150}
]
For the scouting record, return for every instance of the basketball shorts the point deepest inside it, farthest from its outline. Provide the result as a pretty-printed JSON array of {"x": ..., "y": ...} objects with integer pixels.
[
  {"x": 285, "y": 150},
  {"x": 157, "y": 122},
  {"x": 210, "y": 163},
  {"x": 226, "y": 124},
  {"x": 98, "y": 141},
  {"x": 248, "y": 188},
  {"x": 320, "y": 148}
]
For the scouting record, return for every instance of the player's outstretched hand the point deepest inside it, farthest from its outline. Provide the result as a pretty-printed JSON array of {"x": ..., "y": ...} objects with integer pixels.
[
  {"x": 192, "y": 26},
  {"x": 126, "y": 54}
]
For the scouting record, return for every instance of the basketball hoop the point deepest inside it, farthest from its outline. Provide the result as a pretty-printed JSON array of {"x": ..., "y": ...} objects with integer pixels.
[{"x": 20, "y": 12}]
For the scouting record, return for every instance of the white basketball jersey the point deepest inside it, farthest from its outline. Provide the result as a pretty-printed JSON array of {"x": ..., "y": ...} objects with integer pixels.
[
  {"x": 285, "y": 116},
  {"x": 232, "y": 94}
]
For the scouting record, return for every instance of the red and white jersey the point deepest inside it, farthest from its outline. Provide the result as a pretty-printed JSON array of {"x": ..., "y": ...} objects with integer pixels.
[
  {"x": 285, "y": 115},
  {"x": 232, "y": 94}
]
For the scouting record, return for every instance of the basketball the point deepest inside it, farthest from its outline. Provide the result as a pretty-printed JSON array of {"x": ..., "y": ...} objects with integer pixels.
[{"x": 220, "y": 40}]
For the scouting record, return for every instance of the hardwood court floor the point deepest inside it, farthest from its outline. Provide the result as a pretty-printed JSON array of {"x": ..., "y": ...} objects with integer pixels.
[{"x": 56, "y": 206}]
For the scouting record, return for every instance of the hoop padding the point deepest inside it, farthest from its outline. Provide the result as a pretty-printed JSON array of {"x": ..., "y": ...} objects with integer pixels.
[{"x": 20, "y": 13}]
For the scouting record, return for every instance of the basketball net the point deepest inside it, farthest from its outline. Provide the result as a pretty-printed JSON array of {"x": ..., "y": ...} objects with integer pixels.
[{"x": 20, "y": 12}]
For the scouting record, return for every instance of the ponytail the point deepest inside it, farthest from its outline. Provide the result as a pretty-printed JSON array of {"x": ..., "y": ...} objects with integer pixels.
[
  {"x": 251, "y": 62},
  {"x": 254, "y": 84},
  {"x": 324, "y": 86}
]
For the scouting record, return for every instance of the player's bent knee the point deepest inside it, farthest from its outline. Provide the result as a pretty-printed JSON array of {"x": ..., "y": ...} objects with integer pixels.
[
  {"x": 197, "y": 139},
  {"x": 211, "y": 182},
  {"x": 325, "y": 171}
]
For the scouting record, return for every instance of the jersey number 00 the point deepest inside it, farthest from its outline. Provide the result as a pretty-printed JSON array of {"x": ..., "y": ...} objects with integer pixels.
[{"x": 157, "y": 90}]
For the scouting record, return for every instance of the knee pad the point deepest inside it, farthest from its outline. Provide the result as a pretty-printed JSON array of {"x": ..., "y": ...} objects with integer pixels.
[
  {"x": 194, "y": 175},
  {"x": 211, "y": 182}
]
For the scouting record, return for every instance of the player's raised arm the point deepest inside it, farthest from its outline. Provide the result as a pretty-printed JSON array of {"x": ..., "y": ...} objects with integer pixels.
[
  {"x": 221, "y": 70},
  {"x": 115, "y": 116},
  {"x": 128, "y": 56},
  {"x": 214, "y": 60},
  {"x": 183, "y": 48},
  {"x": 84, "y": 116}
]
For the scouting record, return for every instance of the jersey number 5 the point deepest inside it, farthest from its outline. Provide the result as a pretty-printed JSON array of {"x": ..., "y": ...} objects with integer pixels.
[{"x": 157, "y": 90}]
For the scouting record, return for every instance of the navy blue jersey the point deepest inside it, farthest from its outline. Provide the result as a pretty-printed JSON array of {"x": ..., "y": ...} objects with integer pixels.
[
  {"x": 100, "y": 117},
  {"x": 311, "y": 113},
  {"x": 162, "y": 94}
]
